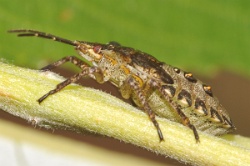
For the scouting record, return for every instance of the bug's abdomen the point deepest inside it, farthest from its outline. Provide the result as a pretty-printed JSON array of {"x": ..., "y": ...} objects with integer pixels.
[{"x": 196, "y": 101}]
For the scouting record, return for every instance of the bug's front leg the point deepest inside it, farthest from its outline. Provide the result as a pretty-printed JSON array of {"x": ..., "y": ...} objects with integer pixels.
[
  {"x": 132, "y": 87},
  {"x": 92, "y": 72},
  {"x": 76, "y": 61}
]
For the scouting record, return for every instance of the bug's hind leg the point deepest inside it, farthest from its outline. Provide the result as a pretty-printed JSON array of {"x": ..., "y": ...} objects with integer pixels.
[
  {"x": 93, "y": 72},
  {"x": 132, "y": 87},
  {"x": 167, "y": 92},
  {"x": 186, "y": 122},
  {"x": 76, "y": 61}
]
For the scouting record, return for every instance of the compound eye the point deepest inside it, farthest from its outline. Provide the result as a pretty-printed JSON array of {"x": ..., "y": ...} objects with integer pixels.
[{"x": 97, "y": 49}]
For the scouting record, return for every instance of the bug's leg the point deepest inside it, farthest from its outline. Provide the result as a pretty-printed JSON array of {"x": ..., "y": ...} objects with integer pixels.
[
  {"x": 167, "y": 93},
  {"x": 186, "y": 122},
  {"x": 92, "y": 72},
  {"x": 76, "y": 61},
  {"x": 132, "y": 87}
]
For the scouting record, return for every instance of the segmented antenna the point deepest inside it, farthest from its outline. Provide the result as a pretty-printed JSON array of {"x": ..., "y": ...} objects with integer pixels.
[{"x": 28, "y": 32}]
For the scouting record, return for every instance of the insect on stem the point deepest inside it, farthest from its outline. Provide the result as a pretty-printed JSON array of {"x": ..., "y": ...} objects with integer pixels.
[{"x": 157, "y": 88}]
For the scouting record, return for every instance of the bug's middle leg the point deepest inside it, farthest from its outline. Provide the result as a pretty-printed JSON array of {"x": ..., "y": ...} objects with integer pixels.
[{"x": 132, "y": 87}]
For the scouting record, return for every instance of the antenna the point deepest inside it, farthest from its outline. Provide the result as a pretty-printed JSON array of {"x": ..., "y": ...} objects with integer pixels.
[{"x": 28, "y": 32}]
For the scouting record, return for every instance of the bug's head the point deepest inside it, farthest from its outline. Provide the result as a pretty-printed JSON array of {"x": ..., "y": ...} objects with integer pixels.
[
  {"x": 90, "y": 51},
  {"x": 94, "y": 52}
]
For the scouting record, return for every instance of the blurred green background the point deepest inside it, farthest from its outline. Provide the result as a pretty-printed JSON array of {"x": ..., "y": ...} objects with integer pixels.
[
  {"x": 205, "y": 37},
  {"x": 200, "y": 36}
]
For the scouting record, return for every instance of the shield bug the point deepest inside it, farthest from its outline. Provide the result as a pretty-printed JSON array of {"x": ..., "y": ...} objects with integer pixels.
[{"x": 155, "y": 87}]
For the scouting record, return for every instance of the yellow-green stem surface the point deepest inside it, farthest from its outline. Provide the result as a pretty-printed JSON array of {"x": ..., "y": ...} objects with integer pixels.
[{"x": 80, "y": 108}]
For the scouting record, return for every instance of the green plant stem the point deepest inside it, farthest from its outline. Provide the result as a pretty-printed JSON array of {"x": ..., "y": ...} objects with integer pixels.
[{"x": 79, "y": 108}]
